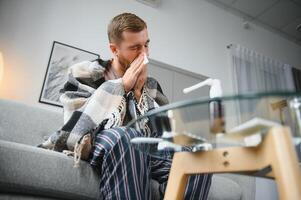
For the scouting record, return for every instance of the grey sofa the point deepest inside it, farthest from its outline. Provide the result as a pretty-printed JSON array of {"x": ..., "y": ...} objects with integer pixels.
[{"x": 28, "y": 172}]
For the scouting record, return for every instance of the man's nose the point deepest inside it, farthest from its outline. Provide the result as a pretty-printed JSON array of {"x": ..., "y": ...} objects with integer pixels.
[{"x": 144, "y": 50}]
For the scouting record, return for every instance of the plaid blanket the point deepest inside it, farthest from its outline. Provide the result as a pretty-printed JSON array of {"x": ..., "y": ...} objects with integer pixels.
[{"x": 93, "y": 103}]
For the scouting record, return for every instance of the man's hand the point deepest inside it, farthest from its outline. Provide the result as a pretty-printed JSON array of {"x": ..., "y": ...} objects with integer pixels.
[
  {"x": 131, "y": 75},
  {"x": 140, "y": 82}
]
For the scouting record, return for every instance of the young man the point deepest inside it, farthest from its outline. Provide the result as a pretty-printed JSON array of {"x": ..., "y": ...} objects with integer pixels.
[{"x": 96, "y": 102}]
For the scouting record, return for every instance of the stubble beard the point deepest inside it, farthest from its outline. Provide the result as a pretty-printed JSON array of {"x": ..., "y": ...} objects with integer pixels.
[{"x": 124, "y": 64}]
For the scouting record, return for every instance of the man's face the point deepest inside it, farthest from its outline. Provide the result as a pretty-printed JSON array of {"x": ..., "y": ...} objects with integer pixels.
[{"x": 131, "y": 46}]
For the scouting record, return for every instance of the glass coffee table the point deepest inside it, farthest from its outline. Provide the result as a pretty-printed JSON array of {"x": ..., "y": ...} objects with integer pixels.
[{"x": 250, "y": 134}]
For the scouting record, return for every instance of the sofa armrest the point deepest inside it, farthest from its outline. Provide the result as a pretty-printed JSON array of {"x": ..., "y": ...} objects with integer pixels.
[{"x": 30, "y": 170}]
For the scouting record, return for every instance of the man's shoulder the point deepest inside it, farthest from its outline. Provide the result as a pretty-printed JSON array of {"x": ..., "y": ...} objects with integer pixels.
[{"x": 155, "y": 91}]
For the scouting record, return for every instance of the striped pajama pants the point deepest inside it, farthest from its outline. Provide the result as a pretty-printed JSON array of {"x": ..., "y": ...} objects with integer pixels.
[{"x": 126, "y": 173}]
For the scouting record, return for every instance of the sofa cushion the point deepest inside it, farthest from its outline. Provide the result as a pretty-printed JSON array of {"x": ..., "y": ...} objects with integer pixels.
[
  {"x": 30, "y": 170},
  {"x": 26, "y": 124},
  {"x": 224, "y": 188}
]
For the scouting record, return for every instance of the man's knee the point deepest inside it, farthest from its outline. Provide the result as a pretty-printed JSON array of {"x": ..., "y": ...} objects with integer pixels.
[
  {"x": 126, "y": 134},
  {"x": 118, "y": 134}
]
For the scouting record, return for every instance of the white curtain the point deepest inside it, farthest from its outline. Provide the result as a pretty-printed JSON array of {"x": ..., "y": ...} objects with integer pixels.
[{"x": 254, "y": 72}]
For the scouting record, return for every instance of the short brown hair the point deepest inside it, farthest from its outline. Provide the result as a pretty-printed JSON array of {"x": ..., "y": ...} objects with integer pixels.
[{"x": 124, "y": 22}]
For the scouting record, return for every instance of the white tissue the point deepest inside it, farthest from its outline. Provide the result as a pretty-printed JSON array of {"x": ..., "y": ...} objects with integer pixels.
[{"x": 145, "y": 61}]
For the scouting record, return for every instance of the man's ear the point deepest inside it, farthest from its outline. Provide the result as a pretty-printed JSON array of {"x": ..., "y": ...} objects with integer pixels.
[{"x": 114, "y": 48}]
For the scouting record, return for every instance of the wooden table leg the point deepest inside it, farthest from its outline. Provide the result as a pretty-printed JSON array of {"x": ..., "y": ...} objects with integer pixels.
[
  {"x": 276, "y": 151},
  {"x": 284, "y": 164}
]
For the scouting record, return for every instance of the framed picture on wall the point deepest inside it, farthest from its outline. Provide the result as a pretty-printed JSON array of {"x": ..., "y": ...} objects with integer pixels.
[{"x": 62, "y": 56}]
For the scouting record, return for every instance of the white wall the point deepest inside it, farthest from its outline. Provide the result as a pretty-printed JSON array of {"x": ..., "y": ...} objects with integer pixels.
[{"x": 189, "y": 34}]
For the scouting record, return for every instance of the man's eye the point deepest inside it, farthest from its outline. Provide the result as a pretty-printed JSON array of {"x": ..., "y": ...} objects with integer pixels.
[
  {"x": 137, "y": 48},
  {"x": 134, "y": 48}
]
